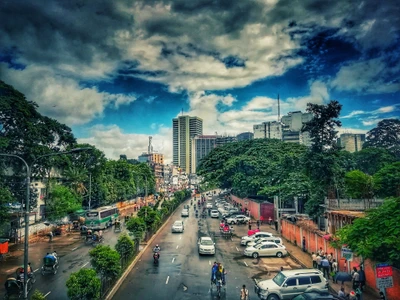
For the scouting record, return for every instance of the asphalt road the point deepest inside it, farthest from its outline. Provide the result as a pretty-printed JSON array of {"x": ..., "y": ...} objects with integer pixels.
[
  {"x": 74, "y": 255},
  {"x": 181, "y": 272}
]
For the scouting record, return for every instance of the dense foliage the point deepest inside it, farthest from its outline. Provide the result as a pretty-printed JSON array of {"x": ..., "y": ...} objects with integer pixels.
[
  {"x": 375, "y": 236},
  {"x": 125, "y": 246},
  {"x": 105, "y": 261},
  {"x": 84, "y": 285}
]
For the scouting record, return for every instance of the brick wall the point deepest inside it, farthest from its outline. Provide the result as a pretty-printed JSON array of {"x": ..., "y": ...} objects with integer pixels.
[{"x": 315, "y": 240}]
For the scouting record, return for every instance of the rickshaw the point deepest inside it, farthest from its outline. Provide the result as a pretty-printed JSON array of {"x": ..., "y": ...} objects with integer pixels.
[
  {"x": 50, "y": 264},
  {"x": 117, "y": 227},
  {"x": 97, "y": 238},
  {"x": 14, "y": 288},
  {"x": 89, "y": 236},
  {"x": 20, "y": 274}
]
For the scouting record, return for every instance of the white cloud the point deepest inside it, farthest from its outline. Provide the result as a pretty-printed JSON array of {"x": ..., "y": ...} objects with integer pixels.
[
  {"x": 61, "y": 97},
  {"x": 260, "y": 103},
  {"x": 353, "y": 114},
  {"x": 114, "y": 142},
  {"x": 372, "y": 76},
  {"x": 318, "y": 95}
]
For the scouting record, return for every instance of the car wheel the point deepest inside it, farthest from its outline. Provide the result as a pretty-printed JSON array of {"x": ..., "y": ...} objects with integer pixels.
[
  {"x": 232, "y": 223},
  {"x": 273, "y": 297},
  {"x": 255, "y": 255},
  {"x": 279, "y": 254}
]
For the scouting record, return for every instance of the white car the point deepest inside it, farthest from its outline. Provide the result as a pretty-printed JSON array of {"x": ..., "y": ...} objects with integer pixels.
[
  {"x": 237, "y": 219},
  {"x": 185, "y": 213},
  {"x": 178, "y": 226},
  {"x": 209, "y": 205},
  {"x": 206, "y": 245},
  {"x": 260, "y": 240},
  {"x": 214, "y": 213},
  {"x": 247, "y": 239},
  {"x": 266, "y": 249}
]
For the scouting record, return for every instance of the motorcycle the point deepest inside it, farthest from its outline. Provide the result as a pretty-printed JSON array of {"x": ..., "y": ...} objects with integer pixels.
[{"x": 156, "y": 257}]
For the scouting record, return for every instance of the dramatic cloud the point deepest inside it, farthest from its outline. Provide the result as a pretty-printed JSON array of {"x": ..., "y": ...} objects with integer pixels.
[{"x": 318, "y": 95}]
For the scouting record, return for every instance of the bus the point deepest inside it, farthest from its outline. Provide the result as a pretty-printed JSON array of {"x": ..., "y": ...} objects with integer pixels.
[{"x": 101, "y": 218}]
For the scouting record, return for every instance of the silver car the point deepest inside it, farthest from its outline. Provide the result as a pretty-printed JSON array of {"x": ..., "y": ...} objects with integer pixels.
[
  {"x": 288, "y": 284},
  {"x": 206, "y": 245},
  {"x": 178, "y": 226}
]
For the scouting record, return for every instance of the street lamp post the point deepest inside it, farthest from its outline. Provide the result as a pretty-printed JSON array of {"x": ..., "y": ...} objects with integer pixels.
[{"x": 26, "y": 217}]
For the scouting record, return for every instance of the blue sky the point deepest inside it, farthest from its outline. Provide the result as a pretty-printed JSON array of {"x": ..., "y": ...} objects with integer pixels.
[{"x": 119, "y": 71}]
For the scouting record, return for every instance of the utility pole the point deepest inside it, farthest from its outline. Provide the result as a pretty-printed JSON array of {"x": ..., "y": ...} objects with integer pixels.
[{"x": 90, "y": 190}]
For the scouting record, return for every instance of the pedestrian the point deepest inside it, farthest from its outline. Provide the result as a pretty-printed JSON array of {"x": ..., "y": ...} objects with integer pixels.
[
  {"x": 325, "y": 267},
  {"x": 334, "y": 270},
  {"x": 304, "y": 244},
  {"x": 314, "y": 260},
  {"x": 244, "y": 293},
  {"x": 50, "y": 236},
  {"x": 270, "y": 221},
  {"x": 361, "y": 277},
  {"x": 281, "y": 269},
  {"x": 341, "y": 292},
  {"x": 319, "y": 259},
  {"x": 330, "y": 258},
  {"x": 249, "y": 225},
  {"x": 258, "y": 224},
  {"x": 356, "y": 278}
]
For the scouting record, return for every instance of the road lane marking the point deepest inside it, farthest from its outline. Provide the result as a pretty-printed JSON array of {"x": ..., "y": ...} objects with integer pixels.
[
  {"x": 47, "y": 294},
  {"x": 177, "y": 246},
  {"x": 246, "y": 264},
  {"x": 73, "y": 249},
  {"x": 84, "y": 265},
  {"x": 166, "y": 282},
  {"x": 237, "y": 248},
  {"x": 180, "y": 237},
  {"x": 36, "y": 270},
  {"x": 173, "y": 259}
]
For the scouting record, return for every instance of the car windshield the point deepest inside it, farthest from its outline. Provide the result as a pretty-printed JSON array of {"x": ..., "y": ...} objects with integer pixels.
[
  {"x": 279, "y": 279},
  {"x": 206, "y": 242},
  {"x": 178, "y": 224}
]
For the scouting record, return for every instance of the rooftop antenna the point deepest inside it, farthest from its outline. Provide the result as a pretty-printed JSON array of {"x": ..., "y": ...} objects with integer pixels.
[
  {"x": 182, "y": 111},
  {"x": 279, "y": 109}
]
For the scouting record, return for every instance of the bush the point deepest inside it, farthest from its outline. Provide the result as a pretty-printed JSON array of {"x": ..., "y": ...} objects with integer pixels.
[
  {"x": 125, "y": 246},
  {"x": 84, "y": 285},
  {"x": 37, "y": 296},
  {"x": 105, "y": 261}
]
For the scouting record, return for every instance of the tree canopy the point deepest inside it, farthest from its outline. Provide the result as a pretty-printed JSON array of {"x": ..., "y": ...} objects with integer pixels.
[
  {"x": 105, "y": 261},
  {"x": 84, "y": 285},
  {"x": 61, "y": 202}
]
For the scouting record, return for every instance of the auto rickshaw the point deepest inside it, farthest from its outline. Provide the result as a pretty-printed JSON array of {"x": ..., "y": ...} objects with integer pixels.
[
  {"x": 117, "y": 227},
  {"x": 14, "y": 288}
]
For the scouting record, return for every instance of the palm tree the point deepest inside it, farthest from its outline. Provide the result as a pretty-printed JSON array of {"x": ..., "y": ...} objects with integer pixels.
[{"x": 75, "y": 179}]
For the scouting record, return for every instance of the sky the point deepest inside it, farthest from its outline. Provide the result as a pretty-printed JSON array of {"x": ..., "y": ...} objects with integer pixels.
[{"x": 119, "y": 71}]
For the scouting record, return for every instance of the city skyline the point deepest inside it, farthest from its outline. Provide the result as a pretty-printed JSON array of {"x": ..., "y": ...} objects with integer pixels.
[{"x": 224, "y": 62}]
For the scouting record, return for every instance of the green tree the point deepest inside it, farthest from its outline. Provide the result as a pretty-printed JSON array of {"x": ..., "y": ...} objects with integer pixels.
[
  {"x": 359, "y": 185},
  {"x": 125, "y": 246},
  {"x": 61, "y": 202},
  {"x": 385, "y": 135},
  {"x": 375, "y": 236},
  {"x": 105, "y": 261},
  {"x": 371, "y": 160},
  {"x": 5, "y": 198},
  {"x": 150, "y": 217},
  {"x": 84, "y": 285},
  {"x": 387, "y": 180},
  {"x": 75, "y": 178},
  {"x": 37, "y": 296},
  {"x": 137, "y": 226}
]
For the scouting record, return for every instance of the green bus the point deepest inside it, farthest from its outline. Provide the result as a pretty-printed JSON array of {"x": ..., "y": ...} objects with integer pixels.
[{"x": 101, "y": 218}]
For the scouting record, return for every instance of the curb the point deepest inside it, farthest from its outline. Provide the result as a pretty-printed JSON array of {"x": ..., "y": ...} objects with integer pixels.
[{"x": 130, "y": 267}]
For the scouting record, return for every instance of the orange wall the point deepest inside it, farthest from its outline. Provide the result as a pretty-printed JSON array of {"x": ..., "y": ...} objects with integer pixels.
[{"x": 291, "y": 232}]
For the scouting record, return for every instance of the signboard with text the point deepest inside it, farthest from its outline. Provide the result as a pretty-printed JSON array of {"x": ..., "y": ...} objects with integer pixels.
[
  {"x": 347, "y": 254},
  {"x": 384, "y": 277}
]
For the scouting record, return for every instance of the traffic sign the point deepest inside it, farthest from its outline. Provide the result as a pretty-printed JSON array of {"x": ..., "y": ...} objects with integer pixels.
[
  {"x": 384, "y": 275},
  {"x": 347, "y": 254}
]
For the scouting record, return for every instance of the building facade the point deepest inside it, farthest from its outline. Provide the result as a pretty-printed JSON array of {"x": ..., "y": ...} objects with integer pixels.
[
  {"x": 184, "y": 128},
  {"x": 156, "y": 158},
  {"x": 222, "y": 140},
  {"x": 268, "y": 130},
  {"x": 352, "y": 142},
  {"x": 201, "y": 147},
  {"x": 245, "y": 136}
]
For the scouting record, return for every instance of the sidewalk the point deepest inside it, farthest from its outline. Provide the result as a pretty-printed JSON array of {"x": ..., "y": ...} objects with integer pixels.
[{"x": 305, "y": 260}]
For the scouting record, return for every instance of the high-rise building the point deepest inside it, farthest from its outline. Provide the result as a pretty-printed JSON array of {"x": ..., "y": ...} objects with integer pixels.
[
  {"x": 222, "y": 140},
  {"x": 352, "y": 142},
  {"x": 296, "y": 119},
  {"x": 157, "y": 158},
  {"x": 201, "y": 147},
  {"x": 268, "y": 130},
  {"x": 184, "y": 128},
  {"x": 245, "y": 136}
]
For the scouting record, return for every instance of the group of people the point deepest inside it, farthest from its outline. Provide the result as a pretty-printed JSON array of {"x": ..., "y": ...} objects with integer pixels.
[
  {"x": 325, "y": 263},
  {"x": 218, "y": 273}
]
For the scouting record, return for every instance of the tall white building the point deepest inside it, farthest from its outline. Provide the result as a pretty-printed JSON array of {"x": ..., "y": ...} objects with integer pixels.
[
  {"x": 201, "y": 147},
  {"x": 352, "y": 142},
  {"x": 288, "y": 130},
  {"x": 184, "y": 128}
]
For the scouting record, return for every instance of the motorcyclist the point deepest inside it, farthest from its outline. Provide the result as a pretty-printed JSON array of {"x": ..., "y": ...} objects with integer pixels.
[
  {"x": 213, "y": 271},
  {"x": 156, "y": 249},
  {"x": 220, "y": 274}
]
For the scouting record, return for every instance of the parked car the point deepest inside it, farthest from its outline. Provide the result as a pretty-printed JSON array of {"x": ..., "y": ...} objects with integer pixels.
[
  {"x": 238, "y": 219},
  {"x": 265, "y": 249},
  {"x": 228, "y": 214},
  {"x": 178, "y": 226},
  {"x": 185, "y": 213},
  {"x": 289, "y": 284},
  {"x": 214, "y": 213},
  {"x": 209, "y": 205},
  {"x": 272, "y": 239},
  {"x": 247, "y": 239},
  {"x": 206, "y": 245}
]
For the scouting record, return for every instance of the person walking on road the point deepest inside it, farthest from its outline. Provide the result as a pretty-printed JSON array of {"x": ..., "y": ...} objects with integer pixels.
[
  {"x": 325, "y": 267},
  {"x": 304, "y": 244},
  {"x": 314, "y": 260},
  {"x": 361, "y": 278},
  {"x": 319, "y": 259},
  {"x": 244, "y": 293},
  {"x": 50, "y": 236}
]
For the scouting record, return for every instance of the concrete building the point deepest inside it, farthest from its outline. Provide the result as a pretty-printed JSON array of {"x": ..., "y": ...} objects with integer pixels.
[
  {"x": 201, "y": 146},
  {"x": 156, "y": 158},
  {"x": 268, "y": 130},
  {"x": 245, "y": 136},
  {"x": 184, "y": 128},
  {"x": 222, "y": 140},
  {"x": 351, "y": 142},
  {"x": 296, "y": 119}
]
